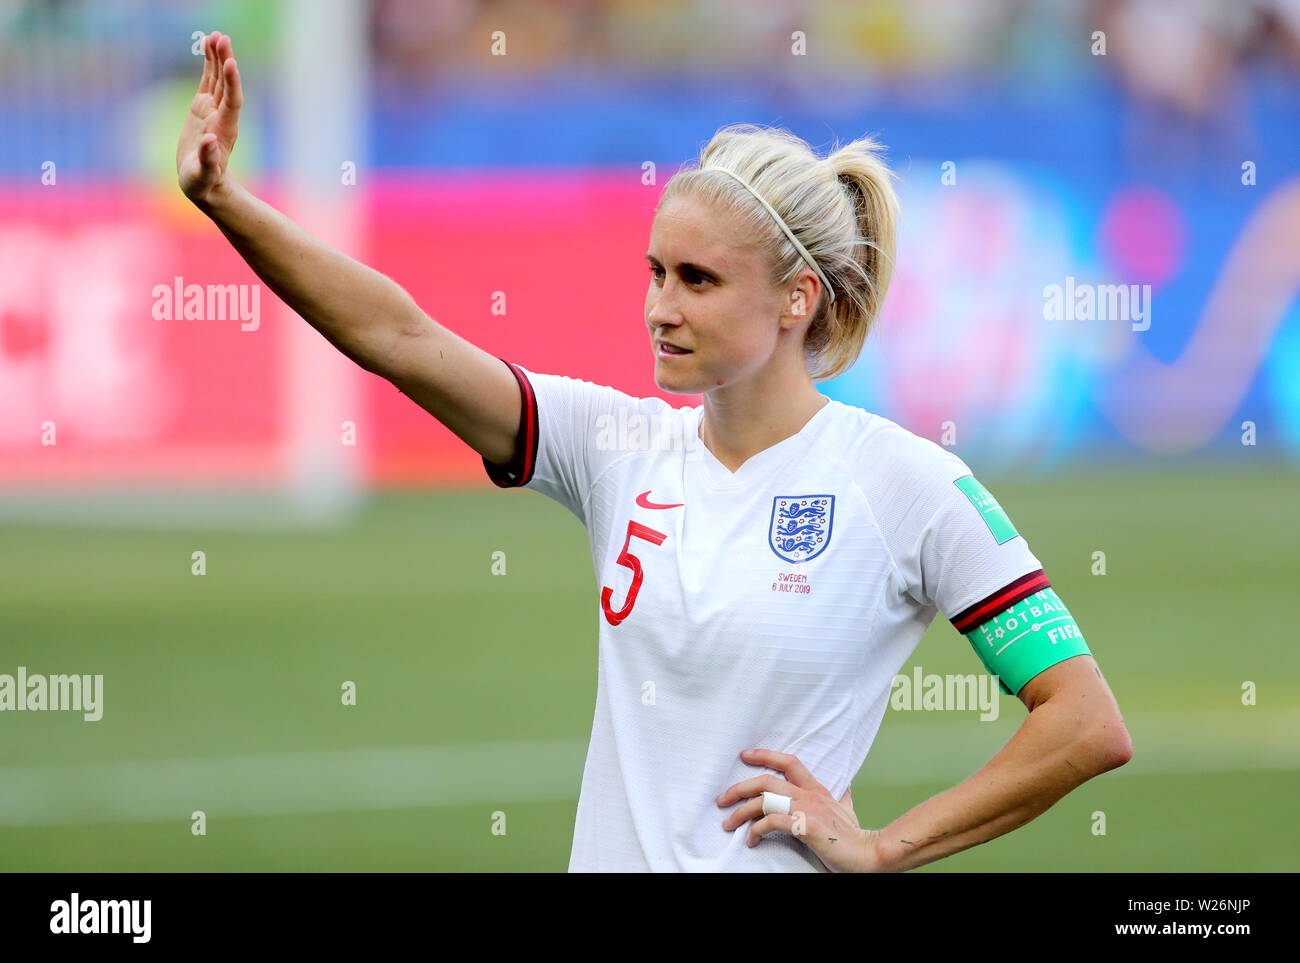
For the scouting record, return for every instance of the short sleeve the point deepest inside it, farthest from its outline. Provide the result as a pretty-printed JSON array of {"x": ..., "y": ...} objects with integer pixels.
[
  {"x": 558, "y": 450},
  {"x": 952, "y": 543}
]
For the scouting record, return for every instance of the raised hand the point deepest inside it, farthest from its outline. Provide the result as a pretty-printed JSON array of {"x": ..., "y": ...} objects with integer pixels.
[{"x": 208, "y": 137}]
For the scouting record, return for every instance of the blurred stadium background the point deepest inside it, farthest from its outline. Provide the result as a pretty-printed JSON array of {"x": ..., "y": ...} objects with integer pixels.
[{"x": 1026, "y": 157}]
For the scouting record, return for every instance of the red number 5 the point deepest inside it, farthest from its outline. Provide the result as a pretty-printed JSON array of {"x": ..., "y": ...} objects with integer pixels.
[{"x": 631, "y": 561}]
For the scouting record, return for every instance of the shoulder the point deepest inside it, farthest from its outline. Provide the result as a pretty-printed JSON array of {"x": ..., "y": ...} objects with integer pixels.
[
  {"x": 602, "y": 419},
  {"x": 883, "y": 456},
  {"x": 579, "y": 389},
  {"x": 562, "y": 398}
]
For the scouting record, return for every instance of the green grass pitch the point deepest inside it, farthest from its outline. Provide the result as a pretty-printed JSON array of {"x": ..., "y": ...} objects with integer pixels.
[{"x": 475, "y": 692}]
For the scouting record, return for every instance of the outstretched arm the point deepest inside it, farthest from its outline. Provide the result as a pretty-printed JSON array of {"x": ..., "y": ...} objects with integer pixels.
[{"x": 364, "y": 314}]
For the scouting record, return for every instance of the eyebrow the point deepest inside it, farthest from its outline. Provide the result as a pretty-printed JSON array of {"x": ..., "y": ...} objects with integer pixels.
[{"x": 686, "y": 266}]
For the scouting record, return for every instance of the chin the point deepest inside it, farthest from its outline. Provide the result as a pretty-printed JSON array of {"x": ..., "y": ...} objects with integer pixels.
[{"x": 674, "y": 383}]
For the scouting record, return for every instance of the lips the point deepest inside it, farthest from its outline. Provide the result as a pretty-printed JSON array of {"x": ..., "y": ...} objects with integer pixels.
[{"x": 675, "y": 348}]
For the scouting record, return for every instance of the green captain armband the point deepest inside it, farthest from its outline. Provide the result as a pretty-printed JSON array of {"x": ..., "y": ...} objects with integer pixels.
[{"x": 1020, "y": 630}]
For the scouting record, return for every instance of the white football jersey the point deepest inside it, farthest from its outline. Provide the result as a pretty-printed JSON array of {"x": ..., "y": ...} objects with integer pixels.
[{"x": 768, "y": 608}]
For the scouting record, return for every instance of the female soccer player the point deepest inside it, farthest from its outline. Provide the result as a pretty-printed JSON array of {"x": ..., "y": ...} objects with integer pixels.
[{"x": 769, "y": 560}]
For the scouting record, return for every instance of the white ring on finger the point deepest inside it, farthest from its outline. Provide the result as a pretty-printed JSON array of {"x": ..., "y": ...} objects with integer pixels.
[{"x": 776, "y": 803}]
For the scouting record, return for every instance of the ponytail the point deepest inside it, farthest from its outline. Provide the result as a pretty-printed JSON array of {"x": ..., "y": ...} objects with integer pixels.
[{"x": 842, "y": 209}]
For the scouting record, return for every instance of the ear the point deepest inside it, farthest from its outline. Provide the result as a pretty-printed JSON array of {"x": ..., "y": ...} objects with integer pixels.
[{"x": 802, "y": 297}]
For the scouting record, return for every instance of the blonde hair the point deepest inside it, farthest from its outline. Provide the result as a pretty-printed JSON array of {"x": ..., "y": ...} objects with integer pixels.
[{"x": 842, "y": 208}]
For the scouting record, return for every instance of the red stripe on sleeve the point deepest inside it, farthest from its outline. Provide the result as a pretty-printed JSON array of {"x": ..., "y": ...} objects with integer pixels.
[
  {"x": 519, "y": 470},
  {"x": 998, "y": 602}
]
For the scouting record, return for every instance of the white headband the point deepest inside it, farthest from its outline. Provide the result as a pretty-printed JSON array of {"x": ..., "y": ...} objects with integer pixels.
[{"x": 781, "y": 224}]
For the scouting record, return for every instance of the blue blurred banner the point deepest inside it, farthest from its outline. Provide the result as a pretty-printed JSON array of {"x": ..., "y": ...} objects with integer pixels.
[
  {"x": 1076, "y": 271},
  {"x": 1089, "y": 262}
]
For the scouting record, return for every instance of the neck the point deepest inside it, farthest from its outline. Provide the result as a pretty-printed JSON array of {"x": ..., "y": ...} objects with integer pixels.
[{"x": 743, "y": 419}]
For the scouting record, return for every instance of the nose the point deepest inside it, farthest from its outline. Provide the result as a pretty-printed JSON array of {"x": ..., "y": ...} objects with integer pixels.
[{"x": 661, "y": 307}]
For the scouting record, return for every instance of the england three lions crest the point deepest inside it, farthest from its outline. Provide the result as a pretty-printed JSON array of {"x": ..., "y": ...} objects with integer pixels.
[{"x": 801, "y": 526}]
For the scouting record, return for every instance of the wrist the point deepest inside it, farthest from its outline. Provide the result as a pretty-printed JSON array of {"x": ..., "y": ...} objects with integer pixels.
[
  {"x": 873, "y": 858},
  {"x": 217, "y": 199}
]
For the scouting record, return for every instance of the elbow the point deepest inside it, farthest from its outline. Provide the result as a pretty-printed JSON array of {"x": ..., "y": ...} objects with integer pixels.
[{"x": 1109, "y": 744}]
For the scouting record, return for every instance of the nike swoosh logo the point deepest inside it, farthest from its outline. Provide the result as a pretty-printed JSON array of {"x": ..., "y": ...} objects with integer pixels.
[{"x": 645, "y": 502}]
